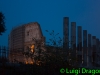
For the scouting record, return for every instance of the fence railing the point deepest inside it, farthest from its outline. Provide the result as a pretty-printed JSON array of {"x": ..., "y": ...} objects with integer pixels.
[{"x": 4, "y": 51}]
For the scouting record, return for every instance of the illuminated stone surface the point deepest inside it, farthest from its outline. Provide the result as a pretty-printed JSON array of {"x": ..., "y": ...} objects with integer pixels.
[{"x": 21, "y": 40}]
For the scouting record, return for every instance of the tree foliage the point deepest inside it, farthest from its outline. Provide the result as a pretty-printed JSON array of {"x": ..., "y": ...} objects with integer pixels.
[
  {"x": 58, "y": 54},
  {"x": 54, "y": 54},
  {"x": 2, "y": 23}
]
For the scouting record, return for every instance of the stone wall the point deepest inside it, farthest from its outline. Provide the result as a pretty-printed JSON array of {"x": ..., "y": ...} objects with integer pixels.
[{"x": 23, "y": 38}]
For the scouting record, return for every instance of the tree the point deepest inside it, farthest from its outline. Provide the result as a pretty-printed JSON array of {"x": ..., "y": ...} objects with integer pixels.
[
  {"x": 54, "y": 54},
  {"x": 37, "y": 53},
  {"x": 56, "y": 42},
  {"x": 60, "y": 54},
  {"x": 2, "y": 23}
]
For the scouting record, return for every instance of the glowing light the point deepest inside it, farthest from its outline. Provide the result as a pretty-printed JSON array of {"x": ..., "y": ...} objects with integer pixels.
[
  {"x": 32, "y": 48},
  {"x": 38, "y": 63},
  {"x": 31, "y": 62},
  {"x": 26, "y": 62}
]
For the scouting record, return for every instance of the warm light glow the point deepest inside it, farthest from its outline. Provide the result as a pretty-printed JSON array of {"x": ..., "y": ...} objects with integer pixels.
[
  {"x": 32, "y": 48},
  {"x": 31, "y": 62},
  {"x": 38, "y": 62},
  {"x": 26, "y": 62}
]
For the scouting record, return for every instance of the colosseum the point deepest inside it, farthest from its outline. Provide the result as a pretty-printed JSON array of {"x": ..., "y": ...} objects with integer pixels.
[{"x": 24, "y": 38}]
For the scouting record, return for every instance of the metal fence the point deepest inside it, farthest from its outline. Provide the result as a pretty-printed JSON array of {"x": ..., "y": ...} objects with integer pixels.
[{"x": 4, "y": 51}]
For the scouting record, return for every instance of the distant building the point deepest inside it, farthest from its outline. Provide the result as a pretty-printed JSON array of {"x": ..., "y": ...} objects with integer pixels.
[{"x": 22, "y": 39}]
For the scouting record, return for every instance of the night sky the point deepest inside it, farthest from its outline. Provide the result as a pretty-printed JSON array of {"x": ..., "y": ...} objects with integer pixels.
[{"x": 49, "y": 14}]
